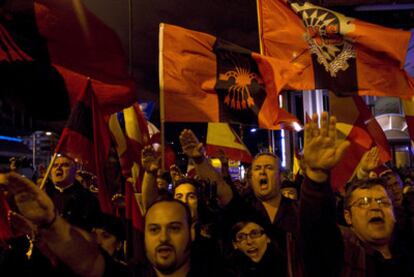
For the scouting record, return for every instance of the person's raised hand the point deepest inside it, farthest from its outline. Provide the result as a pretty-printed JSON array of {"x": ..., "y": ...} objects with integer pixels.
[
  {"x": 20, "y": 225},
  {"x": 32, "y": 202},
  {"x": 322, "y": 151},
  {"x": 191, "y": 146},
  {"x": 370, "y": 160},
  {"x": 150, "y": 159},
  {"x": 175, "y": 173}
]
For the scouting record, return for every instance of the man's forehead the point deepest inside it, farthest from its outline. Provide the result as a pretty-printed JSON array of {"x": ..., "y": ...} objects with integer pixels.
[
  {"x": 374, "y": 191},
  {"x": 265, "y": 159},
  {"x": 64, "y": 159},
  {"x": 165, "y": 213},
  {"x": 185, "y": 187}
]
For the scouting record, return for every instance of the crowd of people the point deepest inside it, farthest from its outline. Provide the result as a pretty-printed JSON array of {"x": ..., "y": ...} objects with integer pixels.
[{"x": 209, "y": 224}]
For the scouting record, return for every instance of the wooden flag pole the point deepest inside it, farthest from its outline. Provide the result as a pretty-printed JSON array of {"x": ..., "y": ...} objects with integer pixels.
[
  {"x": 161, "y": 82},
  {"x": 49, "y": 169}
]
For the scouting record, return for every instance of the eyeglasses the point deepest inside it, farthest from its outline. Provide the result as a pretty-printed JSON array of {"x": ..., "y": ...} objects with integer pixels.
[
  {"x": 255, "y": 233},
  {"x": 365, "y": 202}
]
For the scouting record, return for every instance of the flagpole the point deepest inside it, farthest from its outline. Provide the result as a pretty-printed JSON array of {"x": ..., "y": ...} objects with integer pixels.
[
  {"x": 269, "y": 132},
  {"x": 49, "y": 169},
  {"x": 130, "y": 42},
  {"x": 161, "y": 83}
]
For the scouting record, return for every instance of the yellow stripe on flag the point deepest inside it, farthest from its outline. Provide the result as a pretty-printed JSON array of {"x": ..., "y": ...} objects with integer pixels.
[
  {"x": 118, "y": 135},
  {"x": 221, "y": 134}
]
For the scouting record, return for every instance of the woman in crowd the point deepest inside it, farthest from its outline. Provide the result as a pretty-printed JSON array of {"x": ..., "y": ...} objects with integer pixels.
[{"x": 254, "y": 253}]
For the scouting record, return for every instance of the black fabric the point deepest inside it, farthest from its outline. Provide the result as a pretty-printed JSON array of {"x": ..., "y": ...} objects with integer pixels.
[
  {"x": 80, "y": 120},
  {"x": 333, "y": 251},
  {"x": 28, "y": 81},
  {"x": 271, "y": 264},
  {"x": 283, "y": 232},
  {"x": 76, "y": 204},
  {"x": 235, "y": 65},
  {"x": 205, "y": 262},
  {"x": 14, "y": 262}
]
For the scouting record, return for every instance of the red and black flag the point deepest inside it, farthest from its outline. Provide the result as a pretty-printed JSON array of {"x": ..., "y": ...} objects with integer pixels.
[
  {"x": 342, "y": 54},
  {"x": 46, "y": 45},
  {"x": 86, "y": 139},
  {"x": 82, "y": 47},
  {"x": 206, "y": 79},
  {"x": 28, "y": 81}
]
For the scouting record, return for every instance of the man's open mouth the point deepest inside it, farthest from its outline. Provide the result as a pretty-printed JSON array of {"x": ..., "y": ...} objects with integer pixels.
[
  {"x": 376, "y": 219},
  {"x": 263, "y": 181},
  {"x": 164, "y": 250}
]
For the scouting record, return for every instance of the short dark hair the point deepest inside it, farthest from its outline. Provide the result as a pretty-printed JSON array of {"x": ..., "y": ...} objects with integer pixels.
[
  {"x": 361, "y": 184},
  {"x": 190, "y": 181},
  {"x": 169, "y": 200},
  {"x": 240, "y": 225},
  {"x": 111, "y": 224},
  {"x": 267, "y": 154}
]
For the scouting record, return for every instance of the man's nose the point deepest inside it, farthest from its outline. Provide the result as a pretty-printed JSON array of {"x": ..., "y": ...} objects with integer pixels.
[{"x": 164, "y": 235}]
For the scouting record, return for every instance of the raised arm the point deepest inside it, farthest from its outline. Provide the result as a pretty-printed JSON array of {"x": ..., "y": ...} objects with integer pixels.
[
  {"x": 175, "y": 173},
  {"x": 322, "y": 151},
  {"x": 194, "y": 150},
  {"x": 150, "y": 159},
  {"x": 321, "y": 237},
  {"x": 64, "y": 240},
  {"x": 369, "y": 161}
]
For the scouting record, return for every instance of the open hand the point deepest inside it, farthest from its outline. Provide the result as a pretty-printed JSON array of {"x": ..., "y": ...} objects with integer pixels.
[
  {"x": 32, "y": 202},
  {"x": 150, "y": 159},
  {"x": 370, "y": 160},
  {"x": 190, "y": 144},
  {"x": 175, "y": 173},
  {"x": 322, "y": 151}
]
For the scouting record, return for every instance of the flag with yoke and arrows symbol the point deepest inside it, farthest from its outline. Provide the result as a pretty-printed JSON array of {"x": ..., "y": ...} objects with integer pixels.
[
  {"x": 206, "y": 79},
  {"x": 345, "y": 55}
]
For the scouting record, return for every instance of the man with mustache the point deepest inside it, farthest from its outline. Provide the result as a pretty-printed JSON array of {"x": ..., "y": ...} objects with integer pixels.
[
  {"x": 167, "y": 238},
  {"x": 370, "y": 246}
]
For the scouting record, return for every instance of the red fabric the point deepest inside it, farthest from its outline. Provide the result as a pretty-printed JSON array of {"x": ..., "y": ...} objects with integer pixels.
[
  {"x": 365, "y": 134},
  {"x": 91, "y": 153},
  {"x": 5, "y": 231},
  {"x": 79, "y": 42},
  {"x": 136, "y": 139},
  {"x": 410, "y": 123}
]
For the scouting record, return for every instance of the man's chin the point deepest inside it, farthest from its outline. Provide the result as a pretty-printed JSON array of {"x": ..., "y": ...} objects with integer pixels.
[{"x": 166, "y": 268}]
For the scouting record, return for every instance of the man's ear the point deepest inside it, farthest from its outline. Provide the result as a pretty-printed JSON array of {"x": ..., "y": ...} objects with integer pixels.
[
  {"x": 348, "y": 217},
  {"x": 235, "y": 246}
]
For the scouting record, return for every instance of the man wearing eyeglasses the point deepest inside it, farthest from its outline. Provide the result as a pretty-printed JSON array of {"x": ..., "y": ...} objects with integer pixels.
[
  {"x": 369, "y": 212},
  {"x": 370, "y": 246}
]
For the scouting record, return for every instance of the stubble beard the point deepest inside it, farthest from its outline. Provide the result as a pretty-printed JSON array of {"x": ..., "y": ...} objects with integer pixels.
[{"x": 174, "y": 265}]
